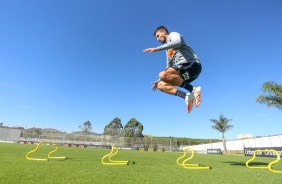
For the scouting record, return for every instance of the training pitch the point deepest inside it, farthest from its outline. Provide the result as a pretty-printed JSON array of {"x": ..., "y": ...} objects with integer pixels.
[{"x": 83, "y": 165}]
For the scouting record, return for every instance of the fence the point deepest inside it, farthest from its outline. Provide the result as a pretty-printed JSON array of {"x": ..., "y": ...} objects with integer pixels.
[{"x": 90, "y": 139}]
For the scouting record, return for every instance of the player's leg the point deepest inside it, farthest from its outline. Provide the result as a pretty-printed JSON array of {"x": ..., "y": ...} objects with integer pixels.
[
  {"x": 166, "y": 88},
  {"x": 189, "y": 73},
  {"x": 171, "y": 78},
  {"x": 178, "y": 76},
  {"x": 172, "y": 90}
]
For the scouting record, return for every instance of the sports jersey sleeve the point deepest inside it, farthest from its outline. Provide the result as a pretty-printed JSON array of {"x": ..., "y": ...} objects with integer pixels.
[{"x": 175, "y": 42}]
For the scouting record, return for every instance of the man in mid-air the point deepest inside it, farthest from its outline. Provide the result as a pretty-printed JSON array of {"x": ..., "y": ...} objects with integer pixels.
[{"x": 183, "y": 67}]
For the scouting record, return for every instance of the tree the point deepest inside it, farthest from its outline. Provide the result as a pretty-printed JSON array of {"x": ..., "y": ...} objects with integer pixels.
[
  {"x": 222, "y": 126},
  {"x": 86, "y": 127},
  {"x": 114, "y": 128},
  {"x": 2, "y": 125},
  {"x": 273, "y": 98},
  {"x": 37, "y": 132},
  {"x": 133, "y": 128}
]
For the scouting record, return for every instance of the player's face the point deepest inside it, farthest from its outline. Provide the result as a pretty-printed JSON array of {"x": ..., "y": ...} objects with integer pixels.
[{"x": 161, "y": 36}]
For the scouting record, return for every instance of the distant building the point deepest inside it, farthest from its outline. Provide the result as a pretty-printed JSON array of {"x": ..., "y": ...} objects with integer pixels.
[{"x": 244, "y": 136}]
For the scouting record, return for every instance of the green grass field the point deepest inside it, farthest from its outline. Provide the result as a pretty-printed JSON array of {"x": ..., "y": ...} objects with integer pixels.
[{"x": 84, "y": 166}]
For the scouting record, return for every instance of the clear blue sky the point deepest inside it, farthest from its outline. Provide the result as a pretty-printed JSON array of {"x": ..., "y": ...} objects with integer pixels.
[{"x": 66, "y": 62}]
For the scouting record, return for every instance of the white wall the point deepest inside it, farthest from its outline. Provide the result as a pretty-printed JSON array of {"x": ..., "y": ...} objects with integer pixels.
[{"x": 239, "y": 145}]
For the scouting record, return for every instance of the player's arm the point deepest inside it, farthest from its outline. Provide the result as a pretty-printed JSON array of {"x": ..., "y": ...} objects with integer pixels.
[
  {"x": 174, "y": 43},
  {"x": 151, "y": 50}
]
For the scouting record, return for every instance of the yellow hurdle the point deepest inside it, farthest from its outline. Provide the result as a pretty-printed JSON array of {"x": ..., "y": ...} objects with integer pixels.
[
  {"x": 269, "y": 167},
  {"x": 150, "y": 149},
  {"x": 190, "y": 166},
  {"x": 113, "y": 162},
  {"x": 49, "y": 154}
]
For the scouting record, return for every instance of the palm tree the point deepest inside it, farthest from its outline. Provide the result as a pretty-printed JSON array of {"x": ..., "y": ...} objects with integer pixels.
[
  {"x": 222, "y": 126},
  {"x": 274, "y": 95}
]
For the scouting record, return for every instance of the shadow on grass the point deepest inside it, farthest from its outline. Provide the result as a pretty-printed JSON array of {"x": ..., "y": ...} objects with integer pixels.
[
  {"x": 69, "y": 158},
  {"x": 250, "y": 164}
]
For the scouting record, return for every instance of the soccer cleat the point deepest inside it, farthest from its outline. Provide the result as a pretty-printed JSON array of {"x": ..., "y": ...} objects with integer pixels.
[
  {"x": 197, "y": 95},
  {"x": 189, "y": 99}
]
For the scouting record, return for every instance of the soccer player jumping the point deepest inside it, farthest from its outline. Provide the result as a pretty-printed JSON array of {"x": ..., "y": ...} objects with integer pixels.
[{"x": 183, "y": 67}]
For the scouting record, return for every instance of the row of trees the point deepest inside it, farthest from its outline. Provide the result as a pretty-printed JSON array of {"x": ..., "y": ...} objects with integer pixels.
[{"x": 133, "y": 128}]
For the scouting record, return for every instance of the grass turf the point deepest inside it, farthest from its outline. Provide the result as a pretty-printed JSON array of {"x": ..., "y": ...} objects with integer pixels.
[{"x": 83, "y": 165}]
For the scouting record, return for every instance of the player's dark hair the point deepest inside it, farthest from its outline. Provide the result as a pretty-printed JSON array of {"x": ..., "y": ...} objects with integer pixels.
[{"x": 160, "y": 28}]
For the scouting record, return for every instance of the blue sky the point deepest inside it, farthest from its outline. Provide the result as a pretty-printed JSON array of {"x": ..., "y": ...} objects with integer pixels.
[{"x": 66, "y": 62}]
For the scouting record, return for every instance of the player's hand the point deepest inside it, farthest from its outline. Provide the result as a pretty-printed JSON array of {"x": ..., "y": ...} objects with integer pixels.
[
  {"x": 151, "y": 50},
  {"x": 155, "y": 85}
]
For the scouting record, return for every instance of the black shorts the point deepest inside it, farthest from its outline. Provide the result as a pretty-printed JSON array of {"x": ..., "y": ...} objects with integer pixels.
[{"x": 188, "y": 71}]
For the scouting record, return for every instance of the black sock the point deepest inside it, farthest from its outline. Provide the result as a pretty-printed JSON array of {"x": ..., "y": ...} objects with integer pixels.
[
  {"x": 187, "y": 86},
  {"x": 180, "y": 94}
]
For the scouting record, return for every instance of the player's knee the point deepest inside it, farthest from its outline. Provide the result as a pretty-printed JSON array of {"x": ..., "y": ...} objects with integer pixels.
[
  {"x": 161, "y": 74},
  {"x": 164, "y": 76}
]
